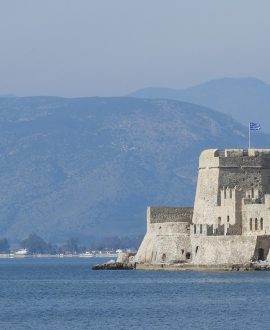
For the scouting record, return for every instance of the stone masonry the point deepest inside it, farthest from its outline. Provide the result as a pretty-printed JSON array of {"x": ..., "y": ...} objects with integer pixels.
[{"x": 230, "y": 222}]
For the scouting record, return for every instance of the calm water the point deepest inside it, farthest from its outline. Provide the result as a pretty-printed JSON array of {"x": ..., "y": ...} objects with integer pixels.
[{"x": 66, "y": 294}]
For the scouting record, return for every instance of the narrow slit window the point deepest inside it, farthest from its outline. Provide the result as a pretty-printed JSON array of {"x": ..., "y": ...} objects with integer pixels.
[
  {"x": 228, "y": 218},
  {"x": 256, "y": 224},
  {"x": 200, "y": 229},
  {"x": 194, "y": 229},
  {"x": 250, "y": 223},
  {"x": 261, "y": 223}
]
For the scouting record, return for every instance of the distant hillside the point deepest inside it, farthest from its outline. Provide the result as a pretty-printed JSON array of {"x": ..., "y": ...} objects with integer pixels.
[
  {"x": 89, "y": 166},
  {"x": 246, "y": 99}
]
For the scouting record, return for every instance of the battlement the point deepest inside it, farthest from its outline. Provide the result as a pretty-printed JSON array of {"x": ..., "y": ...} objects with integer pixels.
[
  {"x": 169, "y": 214},
  {"x": 214, "y": 158}
]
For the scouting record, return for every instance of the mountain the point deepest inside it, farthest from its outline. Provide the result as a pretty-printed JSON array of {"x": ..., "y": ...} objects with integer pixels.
[
  {"x": 88, "y": 167},
  {"x": 246, "y": 99}
]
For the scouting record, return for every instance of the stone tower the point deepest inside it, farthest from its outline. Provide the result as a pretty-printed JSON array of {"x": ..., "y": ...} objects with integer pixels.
[
  {"x": 230, "y": 221},
  {"x": 228, "y": 174}
]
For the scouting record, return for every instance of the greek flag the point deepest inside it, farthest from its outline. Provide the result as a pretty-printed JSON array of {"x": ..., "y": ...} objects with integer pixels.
[{"x": 254, "y": 126}]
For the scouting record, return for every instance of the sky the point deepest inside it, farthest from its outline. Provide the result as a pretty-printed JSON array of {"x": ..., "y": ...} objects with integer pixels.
[{"x": 112, "y": 47}]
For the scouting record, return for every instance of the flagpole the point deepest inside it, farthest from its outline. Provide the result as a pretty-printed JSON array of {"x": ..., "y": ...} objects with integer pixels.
[{"x": 249, "y": 135}]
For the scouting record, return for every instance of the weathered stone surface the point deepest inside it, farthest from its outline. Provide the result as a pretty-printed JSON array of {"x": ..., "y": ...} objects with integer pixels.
[{"x": 231, "y": 217}]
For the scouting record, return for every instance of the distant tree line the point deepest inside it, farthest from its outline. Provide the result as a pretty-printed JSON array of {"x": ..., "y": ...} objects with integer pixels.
[
  {"x": 37, "y": 245},
  {"x": 115, "y": 242},
  {"x": 4, "y": 245}
]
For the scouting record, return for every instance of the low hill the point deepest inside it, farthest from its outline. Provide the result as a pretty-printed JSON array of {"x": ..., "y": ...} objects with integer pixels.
[
  {"x": 89, "y": 166},
  {"x": 246, "y": 99}
]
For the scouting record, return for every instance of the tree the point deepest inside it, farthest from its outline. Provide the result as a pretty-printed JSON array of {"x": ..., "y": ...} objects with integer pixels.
[
  {"x": 71, "y": 246},
  {"x": 35, "y": 244},
  {"x": 4, "y": 245}
]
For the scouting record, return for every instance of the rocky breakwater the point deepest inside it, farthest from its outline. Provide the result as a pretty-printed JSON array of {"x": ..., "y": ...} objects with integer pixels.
[{"x": 124, "y": 261}]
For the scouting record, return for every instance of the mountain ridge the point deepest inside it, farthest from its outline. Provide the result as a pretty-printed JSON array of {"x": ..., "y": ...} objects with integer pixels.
[
  {"x": 245, "y": 99},
  {"x": 89, "y": 167}
]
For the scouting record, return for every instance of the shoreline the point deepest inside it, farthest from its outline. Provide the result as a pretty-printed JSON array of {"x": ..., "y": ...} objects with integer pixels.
[
  {"x": 204, "y": 268},
  {"x": 18, "y": 256}
]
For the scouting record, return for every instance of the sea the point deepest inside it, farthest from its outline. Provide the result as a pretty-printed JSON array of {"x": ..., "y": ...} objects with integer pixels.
[{"x": 66, "y": 294}]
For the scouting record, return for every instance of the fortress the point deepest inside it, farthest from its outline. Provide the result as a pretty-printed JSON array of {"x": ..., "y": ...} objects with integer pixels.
[{"x": 230, "y": 221}]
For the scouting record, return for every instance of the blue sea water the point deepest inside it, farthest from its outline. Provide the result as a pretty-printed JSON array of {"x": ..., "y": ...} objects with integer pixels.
[{"x": 67, "y": 294}]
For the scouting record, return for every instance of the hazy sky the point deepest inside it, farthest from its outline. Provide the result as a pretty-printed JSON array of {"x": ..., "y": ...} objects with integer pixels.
[{"x": 111, "y": 47}]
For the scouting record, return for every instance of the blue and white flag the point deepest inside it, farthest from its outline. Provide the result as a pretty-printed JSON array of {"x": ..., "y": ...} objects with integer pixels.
[{"x": 254, "y": 126}]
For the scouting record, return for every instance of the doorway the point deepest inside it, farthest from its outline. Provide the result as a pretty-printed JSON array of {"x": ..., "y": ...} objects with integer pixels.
[{"x": 261, "y": 254}]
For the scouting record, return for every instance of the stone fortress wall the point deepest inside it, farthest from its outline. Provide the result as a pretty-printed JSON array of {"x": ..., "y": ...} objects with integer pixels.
[
  {"x": 167, "y": 236},
  {"x": 230, "y": 222}
]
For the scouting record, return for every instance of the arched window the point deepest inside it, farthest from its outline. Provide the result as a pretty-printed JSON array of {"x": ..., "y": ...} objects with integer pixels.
[
  {"x": 256, "y": 224},
  {"x": 261, "y": 222},
  {"x": 250, "y": 223}
]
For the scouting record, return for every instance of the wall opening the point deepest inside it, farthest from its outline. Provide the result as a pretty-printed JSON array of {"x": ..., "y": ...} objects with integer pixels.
[
  {"x": 230, "y": 193},
  {"x": 188, "y": 255},
  {"x": 256, "y": 224},
  {"x": 250, "y": 224},
  {"x": 219, "y": 221},
  {"x": 252, "y": 192},
  {"x": 261, "y": 254},
  {"x": 196, "y": 250},
  {"x": 194, "y": 229},
  {"x": 200, "y": 229},
  {"x": 163, "y": 257},
  {"x": 261, "y": 223},
  {"x": 228, "y": 218}
]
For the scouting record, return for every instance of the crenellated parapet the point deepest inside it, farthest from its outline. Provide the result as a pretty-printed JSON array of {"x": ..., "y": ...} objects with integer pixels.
[{"x": 234, "y": 158}]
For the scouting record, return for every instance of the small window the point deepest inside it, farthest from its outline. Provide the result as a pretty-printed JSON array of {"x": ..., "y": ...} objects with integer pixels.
[
  {"x": 219, "y": 221},
  {"x": 196, "y": 250},
  {"x": 250, "y": 224},
  {"x": 188, "y": 255},
  {"x": 200, "y": 229},
  {"x": 228, "y": 218},
  {"x": 256, "y": 224},
  {"x": 224, "y": 193},
  {"x": 252, "y": 192},
  {"x": 194, "y": 229},
  {"x": 261, "y": 223}
]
